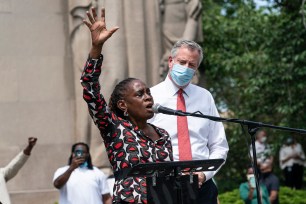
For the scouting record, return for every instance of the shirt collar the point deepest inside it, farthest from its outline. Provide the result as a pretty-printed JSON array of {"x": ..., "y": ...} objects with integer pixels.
[{"x": 173, "y": 89}]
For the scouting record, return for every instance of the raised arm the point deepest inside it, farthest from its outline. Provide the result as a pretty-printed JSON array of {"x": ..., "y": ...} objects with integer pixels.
[
  {"x": 31, "y": 144},
  {"x": 17, "y": 163},
  {"x": 92, "y": 70}
]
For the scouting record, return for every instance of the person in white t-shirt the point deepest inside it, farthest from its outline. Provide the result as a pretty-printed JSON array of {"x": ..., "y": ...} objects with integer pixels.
[
  {"x": 292, "y": 161},
  {"x": 80, "y": 182}
]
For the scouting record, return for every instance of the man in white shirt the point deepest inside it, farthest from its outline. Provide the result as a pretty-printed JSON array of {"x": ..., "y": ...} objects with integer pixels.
[
  {"x": 80, "y": 182},
  {"x": 207, "y": 138},
  {"x": 11, "y": 170},
  {"x": 292, "y": 161}
]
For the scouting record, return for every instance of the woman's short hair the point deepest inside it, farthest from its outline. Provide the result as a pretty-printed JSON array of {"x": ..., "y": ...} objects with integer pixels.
[{"x": 119, "y": 94}]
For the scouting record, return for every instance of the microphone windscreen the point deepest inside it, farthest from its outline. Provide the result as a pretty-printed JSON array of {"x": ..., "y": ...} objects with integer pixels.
[{"x": 155, "y": 107}]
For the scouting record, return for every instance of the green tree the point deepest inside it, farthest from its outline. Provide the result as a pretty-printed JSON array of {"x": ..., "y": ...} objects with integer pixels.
[{"x": 256, "y": 69}]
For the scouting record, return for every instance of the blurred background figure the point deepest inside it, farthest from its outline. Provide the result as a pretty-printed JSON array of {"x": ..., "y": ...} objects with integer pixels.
[
  {"x": 265, "y": 164},
  {"x": 263, "y": 151},
  {"x": 10, "y": 170},
  {"x": 80, "y": 182},
  {"x": 292, "y": 160},
  {"x": 248, "y": 191},
  {"x": 271, "y": 181}
]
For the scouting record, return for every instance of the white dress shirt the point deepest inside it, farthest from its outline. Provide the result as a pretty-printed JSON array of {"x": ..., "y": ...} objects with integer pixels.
[
  {"x": 287, "y": 151},
  {"x": 207, "y": 137}
]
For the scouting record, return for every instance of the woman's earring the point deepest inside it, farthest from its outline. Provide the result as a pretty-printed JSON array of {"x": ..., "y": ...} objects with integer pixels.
[{"x": 126, "y": 113}]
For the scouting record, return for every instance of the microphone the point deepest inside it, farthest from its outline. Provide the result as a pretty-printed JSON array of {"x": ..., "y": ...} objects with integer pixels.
[{"x": 157, "y": 108}]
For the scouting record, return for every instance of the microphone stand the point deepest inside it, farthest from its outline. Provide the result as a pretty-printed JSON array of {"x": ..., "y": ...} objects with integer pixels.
[{"x": 252, "y": 129}]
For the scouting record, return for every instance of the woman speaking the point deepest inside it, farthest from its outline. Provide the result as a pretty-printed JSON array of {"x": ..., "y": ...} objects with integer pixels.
[{"x": 128, "y": 138}]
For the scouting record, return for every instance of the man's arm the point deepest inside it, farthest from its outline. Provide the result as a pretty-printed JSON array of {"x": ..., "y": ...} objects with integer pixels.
[
  {"x": 61, "y": 180},
  {"x": 104, "y": 187},
  {"x": 274, "y": 189},
  {"x": 107, "y": 198},
  {"x": 31, "y": 144},
  {"x": 273, "y": 196},
  {"x": 217, "y": 143},
  {"x": 301, "y": 154},
  {"x": 17, "y": 163},
  {"x": 287, "y": 159}
]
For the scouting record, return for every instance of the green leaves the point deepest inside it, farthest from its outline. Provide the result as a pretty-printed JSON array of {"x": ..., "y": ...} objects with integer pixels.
[
  {"x": 255, "y": 66},
  {"x": 262, "y": 54},
  {"x": 286, "y": 195}
]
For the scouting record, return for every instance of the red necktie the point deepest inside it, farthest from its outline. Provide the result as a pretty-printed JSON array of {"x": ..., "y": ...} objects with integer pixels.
[{"x": 182, "y": 130}]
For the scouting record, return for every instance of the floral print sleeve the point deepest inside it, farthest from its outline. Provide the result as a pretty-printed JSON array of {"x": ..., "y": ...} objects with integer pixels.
[{"x": 97, "y": 106}]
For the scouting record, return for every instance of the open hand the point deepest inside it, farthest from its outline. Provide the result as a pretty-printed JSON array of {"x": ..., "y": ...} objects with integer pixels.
[{"x": 99, "y": 33}]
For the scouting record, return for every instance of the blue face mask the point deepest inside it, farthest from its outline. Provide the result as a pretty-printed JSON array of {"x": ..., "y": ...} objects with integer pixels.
[
  {"x": 181, "y": 75},
  {"x": 84, "y": 165}
]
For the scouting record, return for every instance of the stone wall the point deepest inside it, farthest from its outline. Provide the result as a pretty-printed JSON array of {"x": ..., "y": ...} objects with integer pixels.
[
  {"x": 36, "y": 94},
  {"x": 43, "y": 45}
]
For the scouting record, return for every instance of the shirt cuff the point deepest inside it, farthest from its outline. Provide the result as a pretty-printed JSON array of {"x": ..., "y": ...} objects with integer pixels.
[
  {"x": 208, "y": 174},
  {"x": 95, "y": 61},
  {"x": 22, "y": 154}
]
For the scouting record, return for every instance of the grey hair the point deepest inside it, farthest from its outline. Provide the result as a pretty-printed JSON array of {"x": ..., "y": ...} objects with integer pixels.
[{"x": 191, "y": 45}]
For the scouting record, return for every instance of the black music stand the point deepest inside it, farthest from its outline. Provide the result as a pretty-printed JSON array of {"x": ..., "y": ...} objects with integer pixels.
[{"x": 173, "y": 182}]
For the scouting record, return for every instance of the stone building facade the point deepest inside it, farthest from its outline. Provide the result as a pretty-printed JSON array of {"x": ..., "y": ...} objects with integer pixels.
[{"x": 43, "y": 46}]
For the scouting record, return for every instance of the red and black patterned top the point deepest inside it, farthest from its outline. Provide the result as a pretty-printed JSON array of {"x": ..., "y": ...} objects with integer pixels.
[{"x": 126, "y": 144}]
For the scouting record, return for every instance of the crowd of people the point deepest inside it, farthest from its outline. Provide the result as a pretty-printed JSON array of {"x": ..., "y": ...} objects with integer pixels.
[
  {"x": 291, "y": 160},
  {"x": 133, "y": 134}
]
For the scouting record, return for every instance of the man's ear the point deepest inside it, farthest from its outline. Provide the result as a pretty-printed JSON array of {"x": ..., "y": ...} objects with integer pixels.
[
  {"x": 121, "y": 105},
  {"x": 170, "y": 61}
]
